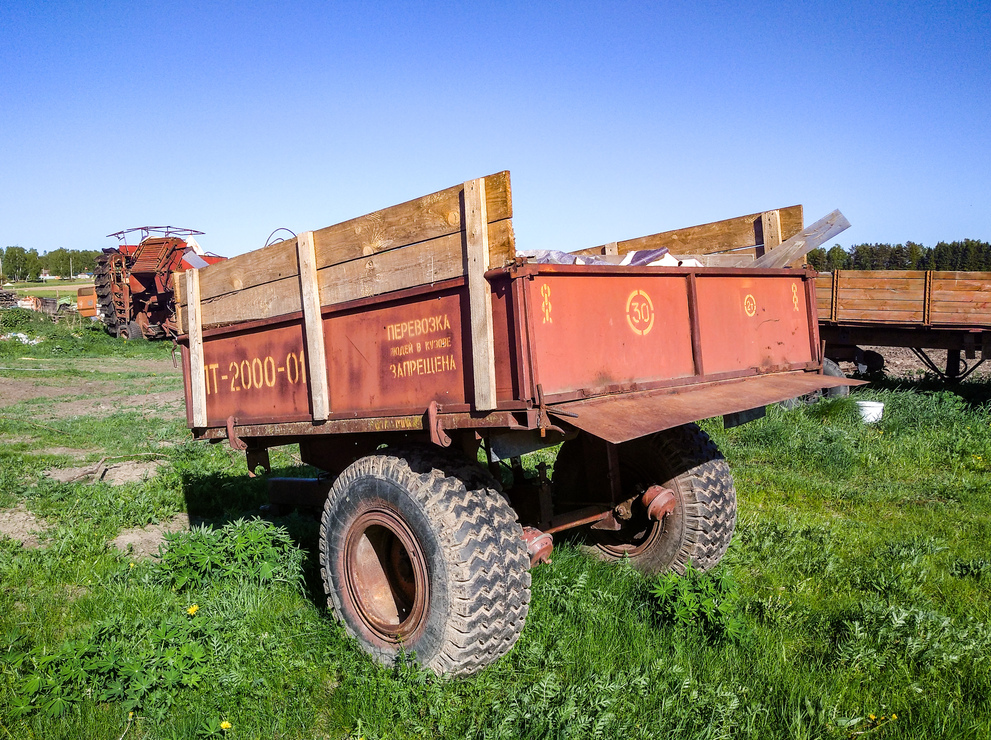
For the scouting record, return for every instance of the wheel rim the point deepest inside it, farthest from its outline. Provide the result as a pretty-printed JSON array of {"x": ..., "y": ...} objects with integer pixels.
[
  {"x": 385, "y": 574},
  {"x": 640, "y": 533},
  {"x": 636, "y": 536}
]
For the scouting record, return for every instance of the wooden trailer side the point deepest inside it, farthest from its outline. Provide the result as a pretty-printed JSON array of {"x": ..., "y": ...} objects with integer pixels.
[
  {"x": 418, "y": 242},
  {"x": 729, "y": 242},
  {"x": 927, "y": 298},
  {"x": 960, "y": 298},
  {"x": 458, "y": 233}
]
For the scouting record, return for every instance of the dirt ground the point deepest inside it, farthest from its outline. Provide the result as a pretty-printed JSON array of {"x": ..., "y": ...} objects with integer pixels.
[
  {"x": 94, "y": 396},
  {"x": 901, "y": 362},
  {"x": 143, "y": 542},
  {"x": 21, "y": 524}
]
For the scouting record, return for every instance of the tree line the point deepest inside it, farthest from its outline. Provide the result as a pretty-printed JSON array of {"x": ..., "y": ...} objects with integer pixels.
[
  {"x": 969, "y": 255},
  {"x": 18, "y": 264}
]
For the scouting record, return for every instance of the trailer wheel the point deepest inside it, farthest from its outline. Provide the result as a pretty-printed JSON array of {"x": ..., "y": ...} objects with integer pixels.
[
  {"x": 832, "y": 369},
  {"x": 130, "y": 332},
  {"x": 413, "y": 559},
  {"x": 699, "y": 529}
]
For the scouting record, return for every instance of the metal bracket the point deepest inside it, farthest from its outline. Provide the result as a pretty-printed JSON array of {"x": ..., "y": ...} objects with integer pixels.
[
  {"x": 437, "y": 434},
  {"x": 236, "y": 442},
  {"x": 257, "y": 456}
]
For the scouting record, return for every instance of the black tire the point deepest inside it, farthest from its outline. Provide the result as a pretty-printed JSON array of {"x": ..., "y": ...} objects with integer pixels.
[
  {"x": 130, "y": 332},
  {"x": 414, "y": 559},
  {"x": 104, "y": 291},
  {"x": 699, "y": 529},
  {"x": 829, "y": 367},
  {"x": 833, "y": 370}
]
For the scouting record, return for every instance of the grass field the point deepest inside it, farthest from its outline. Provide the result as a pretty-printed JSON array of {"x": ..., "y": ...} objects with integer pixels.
[
  {"x": 56, "y": 288},
  {"x": 858, "y": 584}
]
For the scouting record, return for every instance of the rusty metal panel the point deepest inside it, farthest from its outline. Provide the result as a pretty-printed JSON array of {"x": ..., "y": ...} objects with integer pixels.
[
  {"x": 257, "y": 376},
  {"x": 383, "y": 358},
  {"x": 627, "y": 416},
  {"x": 398, "y": 355},
  {"x": 597, "y": 330},
  {"x": 759, "y": 322}
]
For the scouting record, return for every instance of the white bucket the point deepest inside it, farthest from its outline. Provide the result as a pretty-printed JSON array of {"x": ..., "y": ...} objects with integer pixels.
[{"x": 870, "y": 411}]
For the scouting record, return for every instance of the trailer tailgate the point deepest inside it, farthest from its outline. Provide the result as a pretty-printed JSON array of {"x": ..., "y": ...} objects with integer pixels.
[{"x": 625, "y": 416}]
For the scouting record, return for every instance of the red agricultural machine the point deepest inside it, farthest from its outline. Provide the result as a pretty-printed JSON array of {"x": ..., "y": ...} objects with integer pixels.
[{"x": 134, "y": 281}]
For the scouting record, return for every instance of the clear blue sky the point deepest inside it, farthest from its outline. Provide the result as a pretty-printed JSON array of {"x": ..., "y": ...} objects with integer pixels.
[{"x": 616, "y": 119}]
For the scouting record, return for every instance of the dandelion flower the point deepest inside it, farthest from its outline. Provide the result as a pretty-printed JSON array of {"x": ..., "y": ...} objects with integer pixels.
[
  {"x": 192, "y": 610},
  {"x": 871, "y": 717},
  {"x": 225, "y": 725},
  {"x": 894, "y": 716}
]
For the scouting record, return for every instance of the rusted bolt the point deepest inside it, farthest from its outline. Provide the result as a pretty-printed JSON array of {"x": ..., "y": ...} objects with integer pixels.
[
  {"x": 538, "y": 545},
  {"x": 659, "y": 502}
]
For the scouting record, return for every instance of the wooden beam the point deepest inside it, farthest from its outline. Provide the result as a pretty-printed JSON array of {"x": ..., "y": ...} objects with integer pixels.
[
  {"x": 770, "y": 228},
  {"x": 804, "y": 242},
  {"x": 197, "y": 368},
  {"x": 740, "y": 233},
  {"x": 316, "y": 355},
  {"x": 479, "y": 295}
]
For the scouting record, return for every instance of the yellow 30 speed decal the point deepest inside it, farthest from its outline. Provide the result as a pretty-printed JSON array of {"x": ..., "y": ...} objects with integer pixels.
[{"x": 640, "y": 312}]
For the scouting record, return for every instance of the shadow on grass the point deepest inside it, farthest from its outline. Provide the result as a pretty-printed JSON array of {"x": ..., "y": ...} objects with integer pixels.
[{"x": 217, "y": 498}]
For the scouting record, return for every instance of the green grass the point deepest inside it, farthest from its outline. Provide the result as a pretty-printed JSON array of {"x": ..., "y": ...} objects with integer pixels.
[
  {"x": 72, "y": 337},
  {"x": 63, "y": 288},
  {"x": 860, "y": 579}
]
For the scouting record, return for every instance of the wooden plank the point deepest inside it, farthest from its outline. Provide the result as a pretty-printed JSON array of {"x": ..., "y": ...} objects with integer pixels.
[
  {"x": 981, "y": 277},
  {"x": 197, "y": 368},
  {"x": 961, "y": 285},
  {"x": 730, "y": 259},
  {"x": 179, "y": 292},
  {"x": 879, "y": 316},
  {"x": 740, "y": 233},
  {"x": 883, "y": 274},
  {"x": 439, "y": 259},
  {"x": 416, "y": 221},
  {"x": 879, "y": 294},
  {"x": 960, "y": 296},
  {"x": 797, "y": 246},
  {"x": 963, "y": 318},
  {"x": 770, "y": 227},
  {"x": 879, "y": 304},
  {"x": 891, "y": 284},
  {"x": 316, "y": 354},
  {"x": 479, "y": 296}
]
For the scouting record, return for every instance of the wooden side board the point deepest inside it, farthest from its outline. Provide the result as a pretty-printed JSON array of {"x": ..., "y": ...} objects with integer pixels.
[
  {"x": 961, "y": 298},
  {"x": 740, "y": 235},
  {"x": 905, "y": 297},
  {"x": 410, "y": 244}
]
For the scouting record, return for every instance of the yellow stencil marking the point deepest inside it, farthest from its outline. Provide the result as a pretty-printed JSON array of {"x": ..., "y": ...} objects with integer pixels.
[
  {"x": 750, "y": 305},
  {"x": 640, "y": 312},
  {"x": 545, "y": 291},
  {"x": 794, "y": 295}
]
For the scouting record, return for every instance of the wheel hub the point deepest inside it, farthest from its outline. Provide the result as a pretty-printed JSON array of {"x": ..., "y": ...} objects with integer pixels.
[{"x": 386, "y": 575}]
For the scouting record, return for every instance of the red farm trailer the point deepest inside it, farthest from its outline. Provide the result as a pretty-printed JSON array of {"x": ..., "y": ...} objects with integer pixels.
[{"x": 401, "y": 347}]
